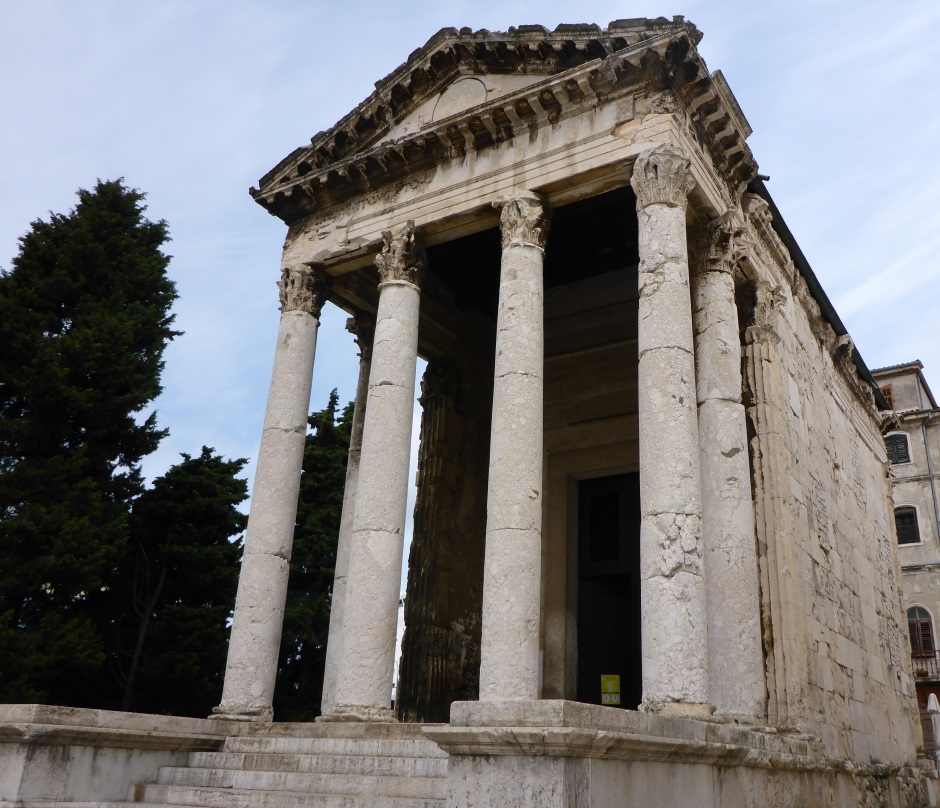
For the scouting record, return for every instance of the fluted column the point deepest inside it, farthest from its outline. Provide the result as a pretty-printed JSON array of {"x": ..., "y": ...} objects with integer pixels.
[
  {"x": 362, "y": 327},
  {"x": 251, "y": 668},
  {"x": 370, "y": 619},
  {"x": 512, "y": 567},
  {"x": 735, "y": 659},
  {"x": 672, "y": 586},
  {"x": 783, "y": 598}
]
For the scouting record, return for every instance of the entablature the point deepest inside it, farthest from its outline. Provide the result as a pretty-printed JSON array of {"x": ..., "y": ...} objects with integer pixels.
[{"x": 590, "y": 69}]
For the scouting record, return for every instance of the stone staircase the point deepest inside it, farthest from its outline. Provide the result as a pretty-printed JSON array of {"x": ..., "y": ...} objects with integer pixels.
[{"x": 329, "y": 765}]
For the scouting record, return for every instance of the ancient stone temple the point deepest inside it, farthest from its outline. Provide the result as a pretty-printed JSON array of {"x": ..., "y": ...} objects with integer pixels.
[{"x": 653, "y": 558}]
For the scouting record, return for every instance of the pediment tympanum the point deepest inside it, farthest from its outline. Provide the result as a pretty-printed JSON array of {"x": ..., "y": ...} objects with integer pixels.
[{"x": 466, "y": 92}]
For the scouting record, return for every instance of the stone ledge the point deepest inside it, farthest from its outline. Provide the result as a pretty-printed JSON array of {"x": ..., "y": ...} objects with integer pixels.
[
  {"x": 48, "y": 725},
  {"x": 570, "y": 729}
]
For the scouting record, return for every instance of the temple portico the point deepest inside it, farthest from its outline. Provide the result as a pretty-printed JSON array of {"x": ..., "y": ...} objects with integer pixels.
[{"x": 513, "y": 610}]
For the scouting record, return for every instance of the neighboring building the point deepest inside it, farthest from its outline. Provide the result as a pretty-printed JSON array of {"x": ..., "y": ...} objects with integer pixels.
[
  {"x": 653, "y": 558},
  {"x": 912, "y": 439}
]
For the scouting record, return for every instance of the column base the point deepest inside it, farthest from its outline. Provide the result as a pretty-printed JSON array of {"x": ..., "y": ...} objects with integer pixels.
[
  {"x": 678, "y": 709},
  {"x": 350, "y": 712},
  {"x": 259, "y": 715}
]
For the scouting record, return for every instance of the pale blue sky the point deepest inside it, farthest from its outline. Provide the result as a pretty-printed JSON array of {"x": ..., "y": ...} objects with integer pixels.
[{"x": 193, "y": 100}]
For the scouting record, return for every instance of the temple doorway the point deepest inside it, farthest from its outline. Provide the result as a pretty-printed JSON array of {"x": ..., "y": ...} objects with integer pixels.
[{"x": 609, "y": 653}]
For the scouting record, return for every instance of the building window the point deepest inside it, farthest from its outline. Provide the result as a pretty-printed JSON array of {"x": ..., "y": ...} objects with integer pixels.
[
  {"x": 898, "y": 448},
  {"x": 905, "y": 520},
  {"x": 889, "y": 395},
  {"x": 921, "y": 628}
]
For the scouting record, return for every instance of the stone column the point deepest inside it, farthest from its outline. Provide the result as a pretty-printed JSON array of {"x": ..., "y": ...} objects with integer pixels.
[
  {"x": 735, "y": 658},
  {"x": 262, "y": 583},
  {"x": 784, "y": 611},
  {"x": 362, "y": 326},
  {"x": 370, "y": 619},
  {"x": 672, "y": 586},
  {"x": 512, "y": 567}
]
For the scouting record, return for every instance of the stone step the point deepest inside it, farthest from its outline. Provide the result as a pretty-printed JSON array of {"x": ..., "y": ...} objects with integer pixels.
[
  {"x": 385, "y": 765},
  {"x": 351, "y": 784},
  {"x": 197, "y": 797},
  {"x": 95, "y": 804},
  {"x": 367, "y": 730},
  {"x": 405, "y": 747}
]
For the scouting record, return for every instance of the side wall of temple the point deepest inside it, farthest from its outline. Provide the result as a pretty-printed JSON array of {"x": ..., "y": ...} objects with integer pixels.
[{"x": 836, "y": 651}]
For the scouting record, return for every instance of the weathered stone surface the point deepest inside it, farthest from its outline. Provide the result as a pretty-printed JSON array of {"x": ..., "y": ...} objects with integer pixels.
[
  {"x": 672, "y": 578},
  {"x": 735, "y": 659},
  {"x": 367, "y": 656},
  {"x": 363, "y": 327},
  {"x": 262, "y": 585},
  {"x": 509, "y": 663},
  {"x": 51, "y": 755},
  {"x": 556, "y": 753}
]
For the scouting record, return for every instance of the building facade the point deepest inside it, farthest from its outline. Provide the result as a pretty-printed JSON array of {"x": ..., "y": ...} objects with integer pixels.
[{"x": 913, "y": 445}]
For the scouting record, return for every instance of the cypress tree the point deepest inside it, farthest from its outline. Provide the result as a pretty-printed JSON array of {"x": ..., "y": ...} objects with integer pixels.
[
  {"x": 177, "y": 588},
  {"x": 84, "y": 319}
]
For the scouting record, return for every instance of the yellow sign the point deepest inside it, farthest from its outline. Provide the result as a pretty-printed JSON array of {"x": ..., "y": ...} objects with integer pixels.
[{"x": 610, "y": 689}]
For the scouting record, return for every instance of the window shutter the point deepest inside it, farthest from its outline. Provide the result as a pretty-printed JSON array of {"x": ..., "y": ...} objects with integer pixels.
[
  {"x": 921, "y": 631},
  {"x": 905, "y": 522},
  {"x": 898, "y": 450}
]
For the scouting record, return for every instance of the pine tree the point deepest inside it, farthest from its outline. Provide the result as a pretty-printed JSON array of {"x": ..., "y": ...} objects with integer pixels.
[
  {"x": 307, "y": 614},
  {"x": 84, "y": 320},
  {"x": 177, "y": 589}
]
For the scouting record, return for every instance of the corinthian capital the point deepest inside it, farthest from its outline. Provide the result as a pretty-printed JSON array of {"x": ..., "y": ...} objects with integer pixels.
[
  {"x": 524, "y": 219},
  {"x": 362, "y": 327},
  {"x": 303, "y": 288},
  {"x": 661, "y": 175},
  {"x": 722, "y": 248},
  {"x": 402, "y": 257}
]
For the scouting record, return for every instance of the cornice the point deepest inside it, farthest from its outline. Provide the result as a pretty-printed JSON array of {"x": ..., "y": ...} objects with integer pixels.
[{"x": 584, "y": 67}]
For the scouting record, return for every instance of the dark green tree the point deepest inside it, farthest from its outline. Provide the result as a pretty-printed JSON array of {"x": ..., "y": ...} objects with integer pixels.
[
  {"x": 177, "y": 588},
  {"x": 310, "y": 587},
  {"x": 84, "y": 319}
]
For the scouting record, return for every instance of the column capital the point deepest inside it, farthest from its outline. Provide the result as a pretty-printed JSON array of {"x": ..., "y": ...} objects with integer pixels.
[
  {"x": 768, "y": 300},
  {"x": 362, "y": 327},
  {"x": 439, "y": 381},
  {"x": 525, "y": 219},
  {"x": 722, "y": 246},
  {"x": 402, "y": 257},
  {"x": 662, "y": 175},
  {"x": 303, "y": 288}
]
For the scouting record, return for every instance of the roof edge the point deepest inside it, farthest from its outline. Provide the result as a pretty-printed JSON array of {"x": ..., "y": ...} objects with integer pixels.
[{"x": 758, "y": 187}]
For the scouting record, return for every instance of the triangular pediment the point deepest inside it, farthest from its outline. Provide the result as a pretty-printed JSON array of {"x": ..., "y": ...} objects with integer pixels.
[{"x": 467, "y": 90}]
